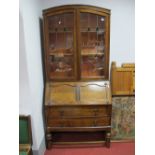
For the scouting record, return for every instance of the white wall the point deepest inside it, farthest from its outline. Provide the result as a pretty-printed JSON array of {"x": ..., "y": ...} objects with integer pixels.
[
  {"x": 122, "y": 47},
  {"x": 31, "y": 76}
]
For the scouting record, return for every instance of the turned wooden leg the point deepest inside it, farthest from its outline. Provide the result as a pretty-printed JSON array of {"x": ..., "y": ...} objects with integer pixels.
[
  {"x": 49, "y": 140},
  {"x": 107, "y": 140}
]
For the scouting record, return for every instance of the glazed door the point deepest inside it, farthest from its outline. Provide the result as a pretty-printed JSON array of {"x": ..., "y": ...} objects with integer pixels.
[
  {"x": 93, "y": 43},
  {"x": 60, "y": 45}
]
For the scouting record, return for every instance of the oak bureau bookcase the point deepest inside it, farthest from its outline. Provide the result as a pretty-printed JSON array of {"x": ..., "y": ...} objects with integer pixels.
[{"x": 77, "y": 91}]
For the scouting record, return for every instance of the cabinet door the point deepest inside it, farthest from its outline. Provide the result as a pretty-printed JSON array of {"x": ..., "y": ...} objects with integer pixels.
[
  {"x": 94, "y": 45},
  {"x": 60, "y": 45}
]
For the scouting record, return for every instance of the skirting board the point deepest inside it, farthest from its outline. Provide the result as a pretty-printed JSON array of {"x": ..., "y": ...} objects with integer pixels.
[
  {"x": 123, "y": 141},
  {"x": 42, "y": 148}
]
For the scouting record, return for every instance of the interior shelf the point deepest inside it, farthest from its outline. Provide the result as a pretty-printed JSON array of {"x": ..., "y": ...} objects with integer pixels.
[
  {"x": 61, "y": 54},
  {"x": 92, "y": 54},
  {"x": 60, "y": 31},
  {"x": 100, "y": 31}
]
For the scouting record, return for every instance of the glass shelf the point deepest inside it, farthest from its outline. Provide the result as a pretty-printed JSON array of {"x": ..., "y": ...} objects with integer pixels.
[
  {"x": 61, "y": 51},
  {"x": 92, "y": 54},
  {"x": 61, "y": 54}
]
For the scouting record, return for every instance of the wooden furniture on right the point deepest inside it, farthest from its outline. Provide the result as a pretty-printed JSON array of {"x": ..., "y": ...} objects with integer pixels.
[{"x": 123, "y": 79}]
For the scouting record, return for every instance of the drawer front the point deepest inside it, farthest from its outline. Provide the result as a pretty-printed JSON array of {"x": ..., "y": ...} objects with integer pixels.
[
  {"x": 87, "y": 122},
  {"x": 82, "y": 111}
]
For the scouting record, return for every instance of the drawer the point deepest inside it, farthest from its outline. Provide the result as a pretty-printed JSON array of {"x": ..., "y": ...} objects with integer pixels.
[
  {"x": 82, "y": 111},
  {"x": 86, "y": 122}
]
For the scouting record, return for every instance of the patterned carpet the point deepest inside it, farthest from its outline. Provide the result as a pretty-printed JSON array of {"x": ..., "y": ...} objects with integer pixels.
[{"x": 123, "y": 118}]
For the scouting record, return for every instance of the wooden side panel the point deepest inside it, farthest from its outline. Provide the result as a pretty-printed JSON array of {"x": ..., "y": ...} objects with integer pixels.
[
  {"x": 133, "y": 84},
  {"x": 122, "y": 79}
]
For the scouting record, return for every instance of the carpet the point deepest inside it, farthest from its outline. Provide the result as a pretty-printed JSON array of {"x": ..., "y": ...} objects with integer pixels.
[{"x": 117, "y": 148}]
